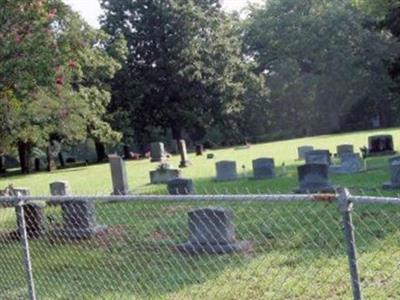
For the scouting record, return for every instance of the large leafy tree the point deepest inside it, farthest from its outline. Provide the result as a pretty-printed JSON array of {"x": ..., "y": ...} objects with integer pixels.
[
  {"x": 184, "y": 68},
  {"x": 53, "y": 75},
  {"x": 320, "y": 61}
]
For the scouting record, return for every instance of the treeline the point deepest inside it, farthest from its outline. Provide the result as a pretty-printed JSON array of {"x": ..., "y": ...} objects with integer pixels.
[{"x": 186, "y": 68}]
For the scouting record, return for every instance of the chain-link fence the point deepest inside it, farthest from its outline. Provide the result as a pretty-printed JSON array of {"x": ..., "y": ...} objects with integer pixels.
[{"x": 199, "y": 247}]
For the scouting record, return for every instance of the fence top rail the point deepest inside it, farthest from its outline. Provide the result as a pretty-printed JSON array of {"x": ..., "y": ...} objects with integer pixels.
[
  {"x": 374, "y": 200},
  {"x": 13, "y": 200}
]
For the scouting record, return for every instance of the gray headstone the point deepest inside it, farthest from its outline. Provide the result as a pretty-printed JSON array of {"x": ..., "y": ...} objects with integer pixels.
[
  {"x": 313, "y": 178},
  {"x": 394, "y": 168},
  {"x": 303, "y": 150},
  {"x": 180, "y": 186},
  {"x": 33, "y": 216},
  {"x": 226, "y": 170},
  {"x": 164, "y": 175},
  {"x": 118, "y": 175},
  {"x": 183, "y": 152},
  {"x": 79, "y": 217},
  {"x": 380, "y": 145},
  {"x": 263, "y": 168},
  {"x": 350, "y": 163},
  {"x": 212, "y": 231},
  {"x": 344, "y": 149},
  {"x": 318, "y": 157},
  {"x": 157, "y": 152}
]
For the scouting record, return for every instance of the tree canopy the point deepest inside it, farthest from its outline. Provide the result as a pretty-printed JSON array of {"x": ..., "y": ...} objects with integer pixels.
[
  {"x": 320, "y": 61},
  {"x": 184, "y": 68}
]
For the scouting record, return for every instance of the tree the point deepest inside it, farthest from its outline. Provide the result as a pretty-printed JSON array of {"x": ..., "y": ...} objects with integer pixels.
[
  {"x": 184, "y": 68},
  {"x": 319, "y": 61},
  {"x": 53, "y": 84}
]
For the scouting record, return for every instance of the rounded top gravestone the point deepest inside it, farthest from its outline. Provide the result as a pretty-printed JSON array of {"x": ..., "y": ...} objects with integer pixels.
[{"x": 180, "y": 186}]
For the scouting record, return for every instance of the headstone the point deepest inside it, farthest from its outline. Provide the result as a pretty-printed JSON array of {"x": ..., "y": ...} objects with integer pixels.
[
  {"x": 394, "y": 167},
  {"x": 79, "y": 217},
  {"x": 118, "y": 175},
  {"x": 157, "y": 152},
  {"x": 344, "y": 149},
  {"x": 183, "y": 152},
  {"x": 318, "y": 157},
  {"x": 210, "y": 156},
  {"x": 164, "y": 175},
  {"x": 226, "y": 170},
  {"x": 302, "y": 151},
  {"x": 350, "y": 163},
  {"x": 263, "y": 168},
  {"x": 199, "y": 149},
  {"x": 380, "y": 145},
  {"x": 212, "y": 231},
  {"x": 33, "y": 216},
  {"x": 180, "y": 186},
  {"x": 313, "y": 178}
]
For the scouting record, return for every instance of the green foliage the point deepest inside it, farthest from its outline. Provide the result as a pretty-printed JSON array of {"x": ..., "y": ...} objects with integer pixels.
[
  {"x": 184, "y": 69},
  {"x": 319, "y": 61},
  {"x": 55, "y": 76}
]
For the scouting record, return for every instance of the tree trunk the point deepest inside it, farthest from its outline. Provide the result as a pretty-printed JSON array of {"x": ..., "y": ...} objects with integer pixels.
[
  {"x": 51, "y": 164},
  {"x": 2, "y": 164},
  {"x": 61, "y": 159},
  {"x": 24, "y": 151},
  {"x": 100, "y": 151}
]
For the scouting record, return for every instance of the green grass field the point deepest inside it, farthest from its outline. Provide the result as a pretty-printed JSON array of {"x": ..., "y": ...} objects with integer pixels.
[
  {"x": 297, "y": 249},
  {"x": 96, "y": 179}
]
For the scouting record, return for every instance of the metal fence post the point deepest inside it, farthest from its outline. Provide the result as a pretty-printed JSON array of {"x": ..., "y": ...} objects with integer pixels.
[
  {"x": 23, "y": 234},
  {"x": 345, "y": 207}
]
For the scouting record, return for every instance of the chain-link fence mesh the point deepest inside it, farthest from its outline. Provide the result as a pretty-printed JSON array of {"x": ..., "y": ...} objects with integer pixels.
[{"x": 197, "y": 247}]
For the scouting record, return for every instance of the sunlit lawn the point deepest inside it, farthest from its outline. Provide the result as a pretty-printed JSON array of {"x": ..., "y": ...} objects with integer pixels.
[{"x": 297, "y": 249}]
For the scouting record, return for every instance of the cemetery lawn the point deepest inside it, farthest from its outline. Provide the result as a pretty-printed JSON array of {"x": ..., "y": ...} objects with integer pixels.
[{"x": 298, "y": 250}]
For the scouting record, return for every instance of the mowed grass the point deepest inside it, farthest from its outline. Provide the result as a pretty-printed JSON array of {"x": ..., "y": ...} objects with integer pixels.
[
  {"x": 297, "y": 249},
  {"x": 96, "y": 179}
]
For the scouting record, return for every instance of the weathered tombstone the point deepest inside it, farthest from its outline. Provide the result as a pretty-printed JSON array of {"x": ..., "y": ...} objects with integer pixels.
[
  {"x": 344, "y": 149},
  {"x": 226, "y": 170},
  {"x": 157, "y": 152},
  {"x": 118, "y": 175},
  {"x": 350, "y": 163},
  {"x": 302, "y": 151},
  {"x": 394, "y": 167},
  {"x": 199, "y": 149},
  {"x": 163, "y": 174},
  {"x": 180, "y": 186},
  {"x": 210, "y": 156},
  {"x": 380, "y": 145},
  {"x": 318, "y": 157},
  {"x": 79, "y": 216},
  {"x": 313, "y": 178},
  {"x": 263, "y": 168},
  {"x": 183, "y": 152},
  {"x": 212, "y": 231},
  {"x": 33, "y": 216}
]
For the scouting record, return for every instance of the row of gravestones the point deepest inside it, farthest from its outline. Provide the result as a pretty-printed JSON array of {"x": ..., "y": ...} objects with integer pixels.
[
  {"x": 211, "y": 229},
  {"x": 79, "y": 219}
]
